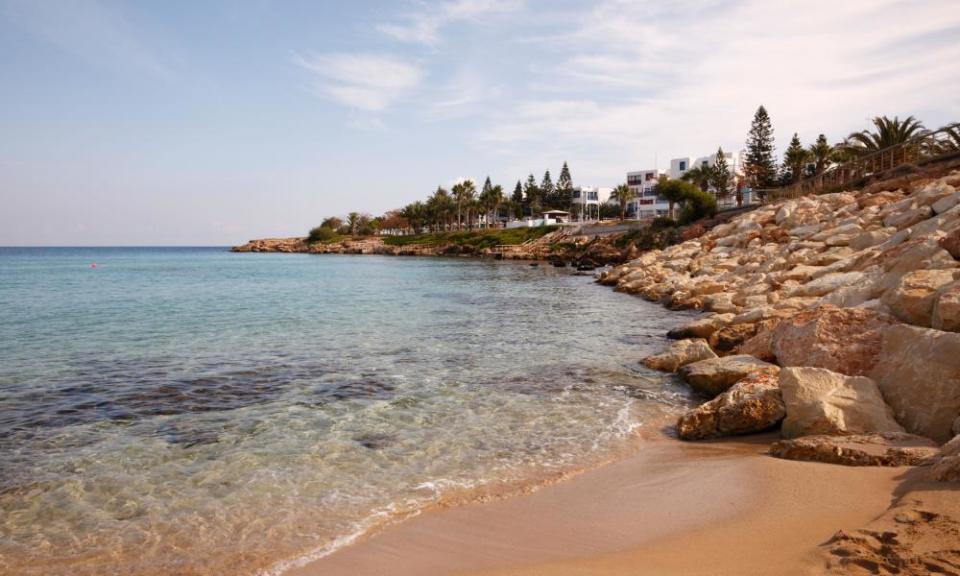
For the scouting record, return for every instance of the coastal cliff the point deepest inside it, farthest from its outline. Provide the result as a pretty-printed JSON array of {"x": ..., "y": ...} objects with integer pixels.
[{"x": 834, "y": 318}]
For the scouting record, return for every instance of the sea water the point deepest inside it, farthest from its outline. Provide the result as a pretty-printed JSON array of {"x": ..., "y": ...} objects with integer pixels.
[{"x": 194, "y": 411}]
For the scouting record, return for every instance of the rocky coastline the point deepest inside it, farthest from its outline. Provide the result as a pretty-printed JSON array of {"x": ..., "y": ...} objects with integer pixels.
[{"x": 834, "y": 319}]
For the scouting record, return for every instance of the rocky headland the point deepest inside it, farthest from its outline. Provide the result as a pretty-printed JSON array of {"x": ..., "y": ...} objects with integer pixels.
[{"x": 834, "y": 318}]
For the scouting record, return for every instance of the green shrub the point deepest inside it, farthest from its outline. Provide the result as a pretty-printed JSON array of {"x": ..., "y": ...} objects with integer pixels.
[
  {"x": 697, "y": 204},
  {"x": 320, "y": 234},
  {"x": 661, "y": 222}
]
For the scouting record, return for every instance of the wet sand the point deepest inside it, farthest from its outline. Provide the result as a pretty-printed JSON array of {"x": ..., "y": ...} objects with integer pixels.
[{"x": 673, "y": 508}]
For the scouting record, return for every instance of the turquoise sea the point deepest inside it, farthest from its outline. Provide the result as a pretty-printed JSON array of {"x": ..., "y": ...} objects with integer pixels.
[{"x": 194, "y": 411}]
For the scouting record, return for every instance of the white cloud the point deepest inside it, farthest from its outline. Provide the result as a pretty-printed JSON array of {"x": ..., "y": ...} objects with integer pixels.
[
  {"x": 368, "y": 81},
  {"x": 423, "y": 27},
  {"x": 633, "y": 81}
]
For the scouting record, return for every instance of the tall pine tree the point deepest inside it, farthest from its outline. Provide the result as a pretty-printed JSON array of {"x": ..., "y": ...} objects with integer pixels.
[
  {"x": 516, "y": 201},
  {"x": 794, "y": 160},
  {"x": 547, "y": 191},
  {"x": 531, "y": 193},
  {"x": 564, "y": 188},
  {"x": 760, "y": 166},
  {"x": 720, "y": 175}
]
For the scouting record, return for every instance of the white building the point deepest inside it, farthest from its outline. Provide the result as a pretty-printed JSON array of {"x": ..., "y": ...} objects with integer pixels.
[
  {"x": 646, "y": 204},
  {"x": 735, "y": 163},
  {"x": 586, "y": 200}
]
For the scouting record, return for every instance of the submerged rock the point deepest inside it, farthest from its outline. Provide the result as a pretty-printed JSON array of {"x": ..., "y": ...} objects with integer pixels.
[
  {"x": 819, "y": 401},
  {"x": 882, "y": 449},
  {"x": 751, "y": 405},
  {"x": 679, "y": 354},
  {"x": 717, "y": 375}
]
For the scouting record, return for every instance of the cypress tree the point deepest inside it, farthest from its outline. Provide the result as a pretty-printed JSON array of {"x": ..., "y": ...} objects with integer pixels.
[
  {"x": 487, "y": 187},
  {"x": 760, "y": 165}
]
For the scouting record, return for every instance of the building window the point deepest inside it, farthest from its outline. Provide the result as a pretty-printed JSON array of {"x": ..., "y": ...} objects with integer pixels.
[
  {"x": 649, "y": 176},
  {"x": 576, "y": 194},
  {"x": 683, "y": 165}
]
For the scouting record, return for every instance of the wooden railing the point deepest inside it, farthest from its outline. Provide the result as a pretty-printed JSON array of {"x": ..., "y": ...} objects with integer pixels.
[{"x": 928, "y": 147}]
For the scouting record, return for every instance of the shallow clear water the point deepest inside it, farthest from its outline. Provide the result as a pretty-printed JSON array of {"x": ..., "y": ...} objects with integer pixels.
[{"x": 193, "y": 411}]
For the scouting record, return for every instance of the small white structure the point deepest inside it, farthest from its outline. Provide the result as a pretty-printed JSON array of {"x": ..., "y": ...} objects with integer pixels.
[{"x": 548, "y": 218}]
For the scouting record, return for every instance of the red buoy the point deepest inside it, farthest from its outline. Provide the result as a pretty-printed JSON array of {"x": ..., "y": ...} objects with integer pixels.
[{"x": 94, "y": 265}]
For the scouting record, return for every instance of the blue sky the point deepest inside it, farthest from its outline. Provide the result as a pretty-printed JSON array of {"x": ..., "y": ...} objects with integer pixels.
[{"x": 156, "y": 123}]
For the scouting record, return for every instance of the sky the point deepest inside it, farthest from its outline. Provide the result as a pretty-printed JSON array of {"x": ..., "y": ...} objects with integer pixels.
[{"x": 214, "y": 122}]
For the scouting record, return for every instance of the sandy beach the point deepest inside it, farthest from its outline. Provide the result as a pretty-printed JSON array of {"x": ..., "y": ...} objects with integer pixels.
[{"x": 672, "y": 508}]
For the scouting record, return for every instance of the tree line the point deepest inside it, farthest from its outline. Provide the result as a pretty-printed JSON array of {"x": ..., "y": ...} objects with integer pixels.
[{"x": 463, "y": 207}]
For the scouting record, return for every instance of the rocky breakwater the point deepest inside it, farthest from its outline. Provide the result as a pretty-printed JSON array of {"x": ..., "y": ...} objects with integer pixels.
[
  {"x": 560, "y": 247},
  {"x": 835, "y": 318}
]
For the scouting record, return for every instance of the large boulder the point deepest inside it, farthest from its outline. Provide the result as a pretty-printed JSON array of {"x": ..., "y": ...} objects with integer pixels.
[
  {"x": 728, "y": 338},
  {"x": 885, "y": 449},
  {"x": 845, "y": 340},
  {"x": 947, "y": 467},
  {"x": 702, "y": 327},
  {"x": 946, "y": 308},
  {"x": 912, "y": 299},
  {"x": 679, "y": 354},
  {"x": 819, "y": 401},
  {"x": 919, "y": 374},
  {"x": 751, "y": 405},
  {"x": 717, "y": 375},
  {"x": 951, "y": 243}
]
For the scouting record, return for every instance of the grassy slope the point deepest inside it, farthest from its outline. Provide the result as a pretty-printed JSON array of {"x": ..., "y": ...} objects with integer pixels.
[{"x": 476, "y": 238}]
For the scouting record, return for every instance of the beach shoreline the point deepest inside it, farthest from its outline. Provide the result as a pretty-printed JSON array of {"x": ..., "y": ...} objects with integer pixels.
[{"x": 722, "y": 507}]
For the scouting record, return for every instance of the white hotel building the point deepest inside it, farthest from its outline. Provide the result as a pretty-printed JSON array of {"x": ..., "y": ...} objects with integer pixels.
[{"x": 649, "y": 205}]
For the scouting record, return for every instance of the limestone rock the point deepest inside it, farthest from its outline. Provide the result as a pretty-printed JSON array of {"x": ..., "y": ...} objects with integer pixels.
[
  {"x": 946, "y": 308},
  {"x": 819, "y": 401},
  {"x": 951, "y": 243},
  {"x": 882, "y": 449},
  {"x": 701, "y": 328},
  {"x": 906, "y": 218},
  {"x": 729, "y": 337},
  {"x": 679, "y": 354},
  {"x": 845, "y": 340},
  {"x": 717, "y": 375},
  {"x": 919, "y": 374},
  {"x": 751, "y": 405},
  {"x": 912, "y": 299},
  {"x": 947, "y": 467}
]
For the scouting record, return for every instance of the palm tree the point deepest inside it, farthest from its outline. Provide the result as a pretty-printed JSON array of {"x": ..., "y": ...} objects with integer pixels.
[
  {"x": 463, "y": 193},
  {"x": 353, "y": 220},
  {"x": 699, "y": 176},
  {"x": 438, "y": 205},
  {"x": 496, "y": 198},
  {"x": 952, "y": 141},
  {"x": 820, "y": 152},
  {"x": 623, "y": 194},
  {"x": 887, "y": 133}
]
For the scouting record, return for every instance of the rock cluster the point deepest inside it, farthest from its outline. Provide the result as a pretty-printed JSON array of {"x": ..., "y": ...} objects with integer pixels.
[
  {"x": 887, "y": 449},
  {"x": 855, "y": 295}
]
